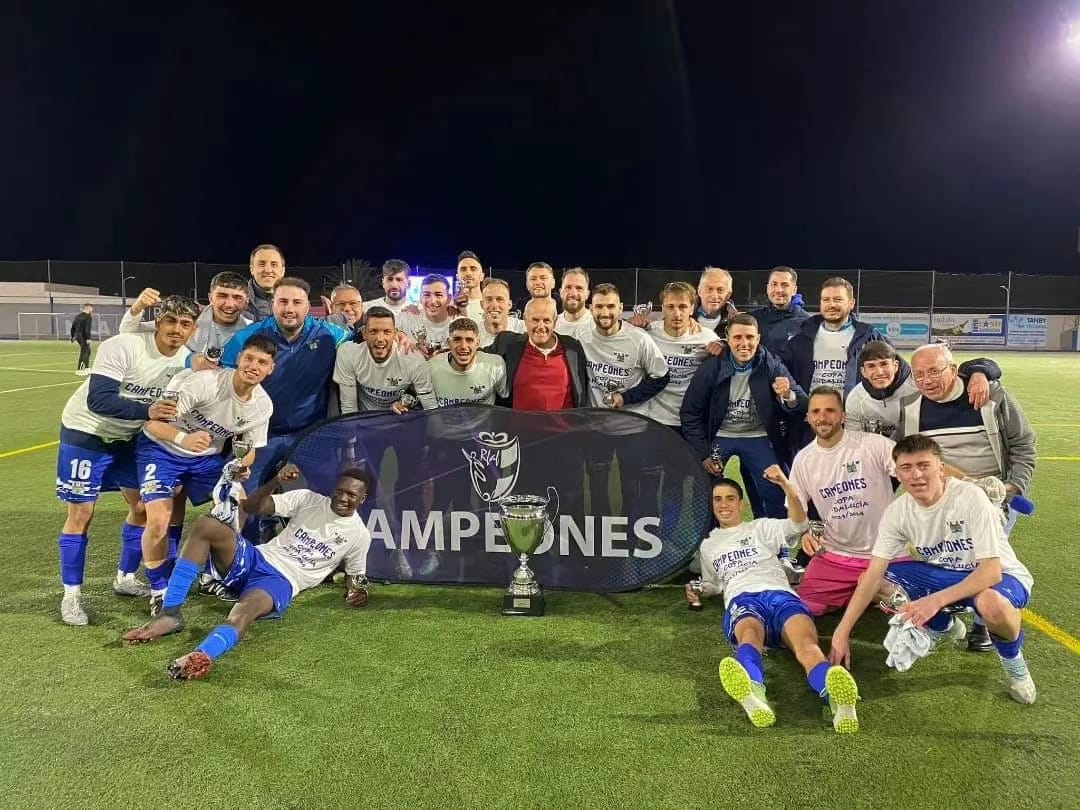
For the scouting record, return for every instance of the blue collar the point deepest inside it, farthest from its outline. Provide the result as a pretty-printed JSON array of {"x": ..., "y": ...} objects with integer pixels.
[
  {"x": 305, "y": 330},
  {"x": 741, "y": 367}
]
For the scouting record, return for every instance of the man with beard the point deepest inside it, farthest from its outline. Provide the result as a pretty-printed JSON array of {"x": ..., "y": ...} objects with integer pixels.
[
  {"x": 575, "y": 319},
  {"x": 395, "y": 284},
  {"x": 215, "y": 325},
  {"x": 874, "y": 404},
  {"x": 430, "y": 328},
  {"x": 714, "y": 294},
  {"x": 782, "y": 318},
  {"x": 496, "y": 298},
  {"x": 470, "y": 277},
  {"x": 540, "y": 282},
  {"x": 464, "y": 374},
  {"x": 375, "y": 374},
  {"x": 267, "y": 265},
  {"x": 848, "y": 477},
  {"x": 299, "y": 385},
  {"x": 735, "y": 406}
]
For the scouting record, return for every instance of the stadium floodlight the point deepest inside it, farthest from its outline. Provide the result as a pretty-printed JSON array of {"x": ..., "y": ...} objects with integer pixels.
[{"x": 1072, "y": 37}]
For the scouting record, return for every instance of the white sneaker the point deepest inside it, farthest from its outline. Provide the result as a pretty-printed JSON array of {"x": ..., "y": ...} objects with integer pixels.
[
  {"x": 72, "y": 610},
  {"x": 1022, "y": 690},
  {"x": 954, "y": 634},
  {"x": 742, "y": 689},
  {"x": 128, "y": 585}
]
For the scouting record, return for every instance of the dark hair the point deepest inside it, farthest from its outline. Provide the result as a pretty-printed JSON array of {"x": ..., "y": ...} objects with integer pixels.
[
  {"x": 377, "y": 312},
  {"x": 876, "y": 350},
  {"x": 539, "y": 266},
  {"x": 467, "y": 254},
  {"x": 358, "y": 473},
  {"x": 260, "y": 343},
  {"x": 828, "y": 391},
  {"x": 783, "y": 268},
  {"x": 391, "y": 267},
  {"x": 292, "y": 281},
  {"x": 838, "y": 281},
  {"x": 266, "y": 246},
  {"x": 463, "y": 324},
  {"x": 434, "y": 278},
  {"x": 605, "y": 289},
  {"x": 178, "y": 306},
  {"x": 915, "y": 443},
  {"x": 743, "y": 319},
  {"x": 729, "y": 482},
  {"x": 490, "y": 280},
  {"x": 227, "y": 278}
]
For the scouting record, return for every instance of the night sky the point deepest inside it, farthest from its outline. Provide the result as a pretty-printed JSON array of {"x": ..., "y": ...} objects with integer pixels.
[{"x": 890, "y": 134}]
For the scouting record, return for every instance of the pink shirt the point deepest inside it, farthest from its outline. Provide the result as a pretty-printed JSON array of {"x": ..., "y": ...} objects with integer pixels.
[{"x": 850, "y": 486}]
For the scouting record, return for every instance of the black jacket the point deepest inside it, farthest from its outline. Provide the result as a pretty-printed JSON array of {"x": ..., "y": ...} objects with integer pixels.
[
  {"x": 778, "y": 326},
  {"x": 259, "y": 305},
  {"x": 80, "y": 327},
  {"x": 510, "y": 346}
]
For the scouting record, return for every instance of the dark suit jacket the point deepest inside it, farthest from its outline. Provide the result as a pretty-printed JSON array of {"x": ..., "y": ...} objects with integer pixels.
[{"x": 510, "y": 346}]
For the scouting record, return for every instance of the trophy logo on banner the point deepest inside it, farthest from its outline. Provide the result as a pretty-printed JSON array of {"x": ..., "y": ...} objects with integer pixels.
[
  {"x": 525, "y": 519},
  {"x": 493, "y": 465}
]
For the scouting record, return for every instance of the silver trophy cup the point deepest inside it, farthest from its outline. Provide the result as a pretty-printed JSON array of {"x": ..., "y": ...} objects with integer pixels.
[
  {"x": 524, "y": 520},
  {"x": 611, "y": 388},
  {"x": 213, "y": 353},
  {"x": 422, "y": 339},
  {"x": 235, "y": 468},
  {"x": 698, "y": 589},
  {"x": 643, "y": 309},
  {"x": 170, "y": 396}
]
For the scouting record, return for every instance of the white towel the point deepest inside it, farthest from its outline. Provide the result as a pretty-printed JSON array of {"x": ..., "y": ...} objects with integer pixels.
[
  {"x": 995, "y": 491},
  {"x": 227, "y": 497},
  {"x": 906, "y": 643}
]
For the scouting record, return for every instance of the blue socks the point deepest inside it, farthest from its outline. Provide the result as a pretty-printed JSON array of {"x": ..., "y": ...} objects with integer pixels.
[
  {"x": 940, "y": 622},
  {"x": 183, "y": 575},
  {"x": 175, "y": 533},
  {"x": 221, "y": 639},
  {"x": 750, "y": 658},
  {"x": 72, "y": 558},
  {"x": 1008, "y": 649},
  {"x": 158, "y": 577},
  {"x": 816, "y": 679},
  {"x": 130, "y": 548}
]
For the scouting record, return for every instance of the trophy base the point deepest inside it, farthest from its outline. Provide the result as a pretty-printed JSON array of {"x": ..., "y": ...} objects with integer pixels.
[{"x": 523, "y": 605}]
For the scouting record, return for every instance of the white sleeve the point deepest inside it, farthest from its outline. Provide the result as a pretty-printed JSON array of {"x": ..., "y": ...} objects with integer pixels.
[
  {"x": 984, "y": 524},
  {"x": 345, "y": 377},
  {"x": 887, "y": 462},
  {"x": 853, "y": 418},
  {"x": 711, "y": 584},
  {"x": 500, "y": 377},
  {"x": 115, "y": 356},
  {"x": 287, "y": 504},
  {"x": 652, "y": 359},
  {"x": 776, "y": 534},
  {"x": 257, "y": 434},
  {"x": 134, "y": 323},
  {"x": 421, "y": 383},
  {"x": 356, "y": 558},
  {"x": 892, "y": 540}
]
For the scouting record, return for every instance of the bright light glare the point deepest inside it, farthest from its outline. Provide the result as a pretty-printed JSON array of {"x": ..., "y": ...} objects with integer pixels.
[{"x": 1072, "y": 37}]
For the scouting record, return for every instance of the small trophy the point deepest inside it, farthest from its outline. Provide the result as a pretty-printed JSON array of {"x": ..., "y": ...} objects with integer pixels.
[
  {"x": 515, "y": 314},
  {"x": 235, "y": 468},
  {"x": 644, "y": 310},
  {"x": 421, "y": 336},
  {"x": 409, "y": 400},
  {"x": 170, "y": 396},
  {"x": 213, "y": 353},
  {"x": 524, "y": 518},
  {"x": 698, "y": 588},
  {"x": 717, "y": 458},
  {"x": 817, "y": 529},
  {"x": 873, "y": 426},
  {"x": 611, "y": 388}
]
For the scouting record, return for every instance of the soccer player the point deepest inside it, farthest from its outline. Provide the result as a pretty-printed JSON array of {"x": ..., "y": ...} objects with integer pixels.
[
  {"x": 961, "y": 556},
  {"x": 994, "y": 440},
  {"x": 848, "y": 477},
  {"x": 97, "y": 448},
  {"x": 540, "y": 281},
  {"x": 575, "y": 319},
  {"x": 714, "y": 293},
  {"x": 323, "y": 534},
  {"x": 874, "y": 404},
  {"x": 299, "y": 385},
  {"x": 80, "y": 333},
  {"x": 470, "y": 276},
  {"x": 741, "y": 561},
  {"x": 374, "y": 375},
  {"x": 267, "y": 265},
  {"x": 430, "y": 328},
  {"x": 496, "y": 298},
  {"x": 736, "y": 405},
  {"x": 215, "y": 325},
  {"x": 395, "y": 284},
  {"x": 782, "y": 319},
  {"x": 188, "y": 451},
  {"x": 464, "y": 374}
]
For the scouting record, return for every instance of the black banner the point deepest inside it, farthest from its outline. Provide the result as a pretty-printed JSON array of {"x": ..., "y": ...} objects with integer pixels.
[{"x": 628, "y": 500}]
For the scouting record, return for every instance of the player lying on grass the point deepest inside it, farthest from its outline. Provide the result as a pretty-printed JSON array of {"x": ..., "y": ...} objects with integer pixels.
[
  {"x": 740, "y": 560},
  {"x": 960, "y": 556},
  {"x": 323, "y": 533}
]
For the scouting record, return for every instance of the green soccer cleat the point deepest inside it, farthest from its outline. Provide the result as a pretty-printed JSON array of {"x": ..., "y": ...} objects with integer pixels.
[
  {"x": 748, "y": 694},
  {"x": 843, "y": 694}
]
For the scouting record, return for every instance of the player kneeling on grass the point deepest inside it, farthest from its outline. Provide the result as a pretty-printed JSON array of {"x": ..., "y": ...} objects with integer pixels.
[
  {"x": 323, "y": 533},
  {"x": 960, "y": 556},
  {"x": 740, "y": 560}
]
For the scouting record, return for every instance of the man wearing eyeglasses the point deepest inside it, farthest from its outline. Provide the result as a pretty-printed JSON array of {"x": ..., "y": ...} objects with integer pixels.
[{"x": 994, "y": 440}]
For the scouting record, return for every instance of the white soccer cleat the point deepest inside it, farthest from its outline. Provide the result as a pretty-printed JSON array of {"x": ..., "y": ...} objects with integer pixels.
[
  {"x": 954, "y": 634},
  {"x": 73, "y": 612},
  {"x": 128, "y": 585},
  {"x": 742, "y": 689},
  {"x": 843, "y": 695},
  {"x": 1022, "y": 690}
]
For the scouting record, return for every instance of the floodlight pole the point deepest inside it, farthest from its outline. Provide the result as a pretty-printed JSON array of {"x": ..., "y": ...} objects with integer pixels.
[{"x": 1007, "y": 287}]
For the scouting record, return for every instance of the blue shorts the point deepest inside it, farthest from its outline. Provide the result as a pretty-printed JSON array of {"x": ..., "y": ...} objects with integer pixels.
[
  {"x": 86, "y": 466},
  {"x": 921, "y": 579},
  {"x": 161, "y": 471},
  {"x": 771, "y": 608},
  {"x": 250, "y": 570}
]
